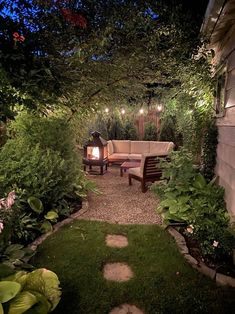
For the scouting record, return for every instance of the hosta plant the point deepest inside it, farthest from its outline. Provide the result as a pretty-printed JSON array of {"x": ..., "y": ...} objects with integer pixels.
[
  {"x": 35, "y": 292},
  {"x": 186, "y": 197},
  {"x": 50, "y": 216}
]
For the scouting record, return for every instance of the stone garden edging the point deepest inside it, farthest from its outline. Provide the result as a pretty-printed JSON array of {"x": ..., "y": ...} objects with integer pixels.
[
  {"x": 219, "y": 278},
  {"x": 33, "y": 246}
]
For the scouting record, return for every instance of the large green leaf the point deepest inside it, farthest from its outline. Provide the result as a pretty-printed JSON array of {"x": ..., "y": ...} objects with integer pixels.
[
  {"x": 36, "y": 204},
  {"x": 45, "y": 282},
  {"x": 14, "y": 252},
  {"x": 5, "y": 270},
  {"x": 168, "y": 216},
  {"x": 171, "y": 195},
  {"x": 46, "y": 226},
  {"x": 51, "y": 215},
  {"x": 168, "y": 203},
  {"x": 20, "y": 277},
  {"x": 183, "y": 199},
  {"x": 1, "y": 309},
  {"x": 22, "y": 302},
  {"x": 199, "y": 182},
  {"x": 12, "y": 248},
  {"x": 43, "y": 306},
  {"x": 174, "y": 209},
  {"x": 8, "y": 290}
]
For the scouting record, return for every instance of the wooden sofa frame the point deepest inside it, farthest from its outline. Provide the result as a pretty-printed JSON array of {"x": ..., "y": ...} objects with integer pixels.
[{"x": 151, "y": 172}]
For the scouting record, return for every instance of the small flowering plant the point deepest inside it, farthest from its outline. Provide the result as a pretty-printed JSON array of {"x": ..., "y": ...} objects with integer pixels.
[
  {"x": 190, "y": 229},
  {"x": 5, "y": 214},
  {"x": 18, "y": 37},
  {"x": 1, "y": 226},
  {"x": 215, "y": 243},
  {"x": 8, "y": 202}
]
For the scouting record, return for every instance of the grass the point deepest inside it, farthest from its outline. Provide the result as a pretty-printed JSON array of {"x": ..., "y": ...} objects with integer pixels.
[{"x": 78, "y": 252}]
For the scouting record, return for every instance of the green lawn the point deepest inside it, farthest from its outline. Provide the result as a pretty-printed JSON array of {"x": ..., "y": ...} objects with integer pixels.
[{"x": 78, "y": 252}]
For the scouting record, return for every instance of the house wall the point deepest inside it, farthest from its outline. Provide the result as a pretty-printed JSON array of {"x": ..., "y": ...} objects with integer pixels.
[{"x": 225, "y": 167}]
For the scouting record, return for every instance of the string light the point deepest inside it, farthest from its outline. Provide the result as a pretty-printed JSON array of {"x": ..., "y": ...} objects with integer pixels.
[
  {"x": 159, "y": 108},
  {"x": 141, "y": 111},
  {"x": 106, "y": 110},
  {"x": 123, "y": 111}
]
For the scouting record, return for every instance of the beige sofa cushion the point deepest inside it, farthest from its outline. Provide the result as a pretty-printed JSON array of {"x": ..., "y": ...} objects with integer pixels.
[
  {"x": 135, "y": 156},
  {"x": 136, "y": 172},
  {"x": 110, "y": 147},
  {"x": 121, "y": 146},
  {"x": 161, "y": 148},
  {"x": 139, "y": 147},
  {"x": 119, "y": 156}
]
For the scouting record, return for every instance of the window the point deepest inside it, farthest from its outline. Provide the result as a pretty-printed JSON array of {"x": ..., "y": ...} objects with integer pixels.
[{"x": 220, "y": 91}]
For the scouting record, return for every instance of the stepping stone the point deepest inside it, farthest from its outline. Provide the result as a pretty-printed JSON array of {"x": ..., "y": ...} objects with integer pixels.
[
  {"x": 126, "y": 309},
  {"x": 116, "y": 240},
  {"x": 117, "y": 272}
]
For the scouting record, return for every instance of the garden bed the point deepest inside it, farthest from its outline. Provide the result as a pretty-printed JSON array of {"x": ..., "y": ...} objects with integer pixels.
[
  {"x": 223, "y": 271},
  {"x": 224, "y": 266}
]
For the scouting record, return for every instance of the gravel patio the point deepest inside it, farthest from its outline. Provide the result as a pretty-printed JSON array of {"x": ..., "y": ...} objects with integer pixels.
[{"x": 120, "y": 203}]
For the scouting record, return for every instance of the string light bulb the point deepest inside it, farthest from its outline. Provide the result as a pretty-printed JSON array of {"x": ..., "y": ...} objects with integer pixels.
[
  {"x": 159, "y": 108},
  {"x": 106, "y": 110},
  {"x": 123, "y": 111},
  {"x": 141, "y": 111}
]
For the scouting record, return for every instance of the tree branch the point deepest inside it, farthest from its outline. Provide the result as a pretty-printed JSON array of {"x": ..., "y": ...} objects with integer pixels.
[{"x": 99, "y": 90}]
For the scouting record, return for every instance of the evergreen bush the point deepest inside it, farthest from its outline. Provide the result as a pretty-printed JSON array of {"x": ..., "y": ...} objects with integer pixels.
[
  {"x": 130, "y": 131},
  {"x": 40, "y": 159},
  {"x": 168, "y": 131},
  {"x": 150, "y": 132},
  {"x": 115, "y": 128}
]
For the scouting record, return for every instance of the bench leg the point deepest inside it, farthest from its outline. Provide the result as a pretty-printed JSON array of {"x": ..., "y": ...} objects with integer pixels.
[{"x": 143, "y": 187}]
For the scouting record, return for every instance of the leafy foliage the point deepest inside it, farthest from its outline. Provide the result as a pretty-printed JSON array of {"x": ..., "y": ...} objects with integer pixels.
[
  {"x": 209, "y": 150},
  {"x": 191, "y": 104},
  {"x": 169, "y": 132},
  {"x": 130, "y": 131},
  {"x": 50, "y": 132},
  {"x": 16, "y": 256},
  {"x": 24, "y": 226},
  {"x": 115, "y": 126},
  {"x": 35, "y": 292},
  {"x": 79, "y": 64},
  {"x": 44, "y": 164},
  {"x": 187, "y": 197},
  {"x": 150, "y": 132},
  {"x": 43, "y": 173}
]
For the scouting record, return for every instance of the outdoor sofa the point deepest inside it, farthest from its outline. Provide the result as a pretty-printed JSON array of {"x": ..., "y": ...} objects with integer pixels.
[{"x": 123, "y": 150}]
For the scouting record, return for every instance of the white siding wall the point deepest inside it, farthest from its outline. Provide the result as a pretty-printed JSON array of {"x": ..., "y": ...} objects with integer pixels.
[{"x": 225, "y": 167}]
